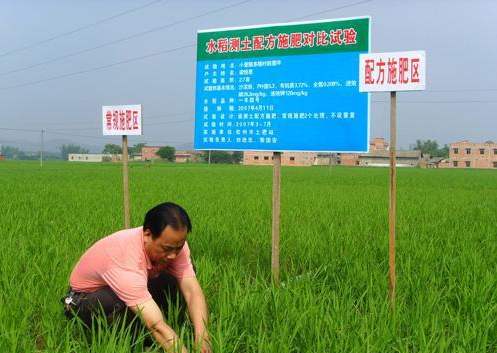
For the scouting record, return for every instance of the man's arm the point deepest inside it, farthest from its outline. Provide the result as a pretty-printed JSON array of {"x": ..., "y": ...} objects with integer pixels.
[
  {"x": 151, "y": 315},
  {"x": 197, "y": 307}
]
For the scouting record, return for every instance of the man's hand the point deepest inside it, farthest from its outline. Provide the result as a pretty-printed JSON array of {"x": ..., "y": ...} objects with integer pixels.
[
  {"x": 204, "y": 344},
  {"x": 197, "y": 308},
  {"x": 151, "y": 315}
]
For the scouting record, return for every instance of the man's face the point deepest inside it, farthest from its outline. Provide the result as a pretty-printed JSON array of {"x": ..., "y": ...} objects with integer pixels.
[{"x": 165, "y": 247}]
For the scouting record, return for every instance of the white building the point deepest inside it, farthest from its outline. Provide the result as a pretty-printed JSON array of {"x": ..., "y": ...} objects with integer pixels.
[{"x": 89, "y": 157}]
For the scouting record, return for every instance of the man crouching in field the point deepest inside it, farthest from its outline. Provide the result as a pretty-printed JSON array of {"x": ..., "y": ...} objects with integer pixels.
[{"x": 140, "y": 269}]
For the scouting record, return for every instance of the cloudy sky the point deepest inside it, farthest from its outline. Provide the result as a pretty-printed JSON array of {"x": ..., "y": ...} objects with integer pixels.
[{"x": 60, "y": 61}]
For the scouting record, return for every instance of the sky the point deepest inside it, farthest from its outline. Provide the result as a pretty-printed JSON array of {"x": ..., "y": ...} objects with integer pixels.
[{"x": 60, "y": 61}]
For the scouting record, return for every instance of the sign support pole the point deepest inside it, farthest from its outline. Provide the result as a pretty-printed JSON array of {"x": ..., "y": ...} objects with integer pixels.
[
  {"x": 42, "y": 147},
  {"x": 412, "y": 77},
  {"x": 125, "y": 181},
  {"x": 393, "y": 199},
  {"x": 275, "y": 253}
]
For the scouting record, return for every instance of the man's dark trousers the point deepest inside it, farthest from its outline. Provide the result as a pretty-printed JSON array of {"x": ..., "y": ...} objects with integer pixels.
[{"x": 164, "y": 290}]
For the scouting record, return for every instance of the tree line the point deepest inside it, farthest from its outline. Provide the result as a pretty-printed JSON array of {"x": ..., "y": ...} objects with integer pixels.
[
  {"x": 432, "y": 148},
  {"x": 167, "y": 153}
]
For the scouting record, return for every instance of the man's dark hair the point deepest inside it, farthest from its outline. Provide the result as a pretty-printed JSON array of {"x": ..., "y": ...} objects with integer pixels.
[{"x": 166, "y": 214}]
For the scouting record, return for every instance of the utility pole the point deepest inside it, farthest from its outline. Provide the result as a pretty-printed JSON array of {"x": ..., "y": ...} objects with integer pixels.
[{"x": 42, "y": 147}]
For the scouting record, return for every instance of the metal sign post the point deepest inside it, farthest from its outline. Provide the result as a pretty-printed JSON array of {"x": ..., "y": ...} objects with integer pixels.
[{"x": 275, "y": 253}]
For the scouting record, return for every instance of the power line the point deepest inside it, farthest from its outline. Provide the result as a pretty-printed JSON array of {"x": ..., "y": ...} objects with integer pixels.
[
  {"x": 171, "y": 122},
  {"x": 79, "y": 29},
  {"x": 78, "y": 135},
  {"x": 27, "y": 130},
  {"x": 99, "y": 128},
  {"x": 152, "y": 54},
  {"x": 53, "y": 132},
  {"x": 455, "y": 90},
  {"x": 97, "y": 68},
  {"x": 462, "y": 90},
  {"x": 128, "y": 60},
  {"x": 78, "y": 129},
  {"x": 133, "y": 36},
  {"x": 440, "y": 101},
  {"x": 103, "y": 137},
  {"x": 168, "y": 141},
  {"x": 332, "y": 9},
  {"x": 156, "y": 117},
  {"x": 146, "y": 117},
  {"x": 106, "y": 138}
]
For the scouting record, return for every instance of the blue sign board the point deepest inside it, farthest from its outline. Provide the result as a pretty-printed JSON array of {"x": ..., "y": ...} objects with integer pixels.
[{"x": 291, "y": 87}]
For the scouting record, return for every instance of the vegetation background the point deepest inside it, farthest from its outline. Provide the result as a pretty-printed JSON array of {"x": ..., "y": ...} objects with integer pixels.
[{"x": 334, "y": 254}]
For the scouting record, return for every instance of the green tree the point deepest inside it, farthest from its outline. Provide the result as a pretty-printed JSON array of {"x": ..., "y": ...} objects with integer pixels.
[
  {"x": 218, "y": 157},
  {"x": 431, "y": 147},
  {"x": 111, "y": 148},
  {"x": 167, "y": 153},
  {"x": 71, "y": 148},
  {"x": 237, "y": 157},
  {"x": 444, "y": 151},
  {"x": 136, "y": 149},
  {"x": 12, "y": 152},
  {"x": 427, "y": 146}
]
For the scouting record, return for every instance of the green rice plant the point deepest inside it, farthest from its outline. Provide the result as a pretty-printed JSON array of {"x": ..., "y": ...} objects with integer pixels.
[{"x": 334, "y": 255}]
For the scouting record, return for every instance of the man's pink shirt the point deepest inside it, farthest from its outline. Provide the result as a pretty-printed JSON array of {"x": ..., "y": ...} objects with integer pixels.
[{"x": 120, "y": 262}]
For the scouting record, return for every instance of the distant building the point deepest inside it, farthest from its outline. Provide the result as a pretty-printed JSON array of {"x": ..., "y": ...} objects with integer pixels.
[
  {"x": 325, "y": 159},
  {"x": 465, "y": 154},
  {"x": 98, "y": 157},
  {"x": 181, "y": 156},
  {"x": 382, "y": 159},
  {"x": 435, "y": 162},
  {"x": 287, "y": 158},
  {"x": 378, "y": 144},
  {"x": 379, "y": 156},
  {"x": 444, "y": 163},
  {"x": 184, "y": 156},
  {"x": 149, "y": 153},
  {"x": 348, "y": 159},
  {"x": 91, "y": 157}
]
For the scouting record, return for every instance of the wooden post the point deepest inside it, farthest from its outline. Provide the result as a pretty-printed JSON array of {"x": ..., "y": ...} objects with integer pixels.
[
  {"x": 275, "y": 253},
  {"x": 393, "y": 198},
  {"x": 42, "y": 147},
  {"x": 125, "y": 182}
]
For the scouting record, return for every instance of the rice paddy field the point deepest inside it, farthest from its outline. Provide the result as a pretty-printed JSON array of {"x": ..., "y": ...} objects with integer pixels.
[{"x": 334, "y": 255}]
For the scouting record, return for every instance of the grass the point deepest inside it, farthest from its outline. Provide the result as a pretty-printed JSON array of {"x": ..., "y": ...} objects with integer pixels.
[{"x": 334, "y": 255}]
